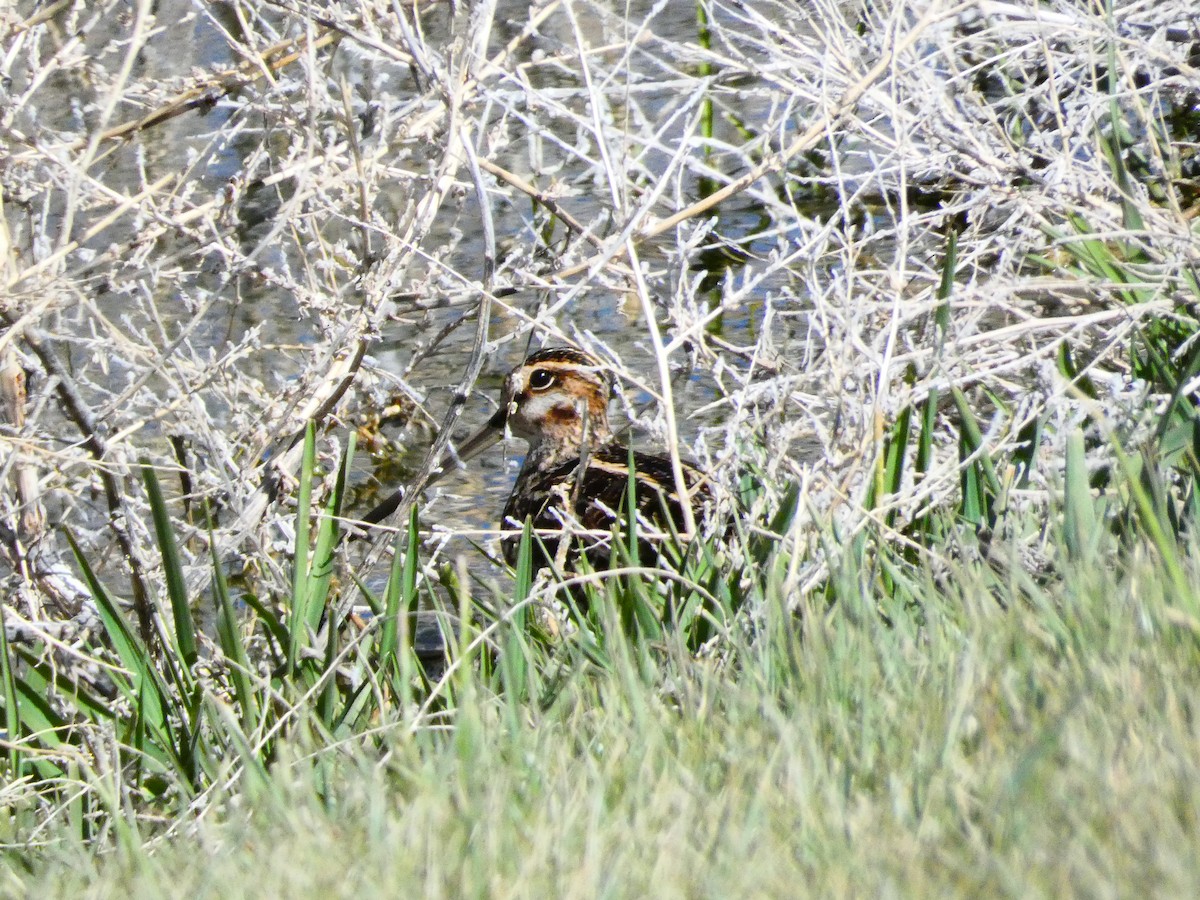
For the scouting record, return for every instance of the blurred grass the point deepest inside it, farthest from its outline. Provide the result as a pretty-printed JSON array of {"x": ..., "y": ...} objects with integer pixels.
[
  {"x": 986, "y": 689},
  {"x": 931, "y": 719},
  {"x": 971, "y": 727},
  {"x": 1043, "y": 745},
  {"x": 952, "y": 710}
]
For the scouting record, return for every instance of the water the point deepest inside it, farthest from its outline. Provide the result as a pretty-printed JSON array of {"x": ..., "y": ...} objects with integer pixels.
[{"x": 289, "y": 244}]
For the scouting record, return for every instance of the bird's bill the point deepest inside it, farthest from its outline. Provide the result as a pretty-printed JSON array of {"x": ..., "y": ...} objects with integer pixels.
[{"x": 485, "y": 437}]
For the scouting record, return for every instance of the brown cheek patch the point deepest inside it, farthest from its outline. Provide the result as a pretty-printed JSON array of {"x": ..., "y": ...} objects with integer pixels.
[{"x": 561, "y": 415}]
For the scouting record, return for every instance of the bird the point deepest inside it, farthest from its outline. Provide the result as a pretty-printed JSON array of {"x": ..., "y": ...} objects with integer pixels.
[{"x": 576, "y": 473}]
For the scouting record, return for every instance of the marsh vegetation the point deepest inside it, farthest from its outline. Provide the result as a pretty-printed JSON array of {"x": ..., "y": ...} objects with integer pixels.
[{"x": 916, "y": 283}]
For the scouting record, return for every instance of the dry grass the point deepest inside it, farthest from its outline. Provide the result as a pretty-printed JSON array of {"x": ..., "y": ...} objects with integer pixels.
[
  {"x": 223, "y": 221},
  {"x": 216, "y": 277}
]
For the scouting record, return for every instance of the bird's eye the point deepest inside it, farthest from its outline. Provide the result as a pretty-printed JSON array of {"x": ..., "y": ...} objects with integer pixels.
[{"x": 541, "y": 379}]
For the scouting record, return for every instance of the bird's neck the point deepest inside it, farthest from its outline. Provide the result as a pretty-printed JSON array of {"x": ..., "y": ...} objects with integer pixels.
[{"x": 555, "y": 447}]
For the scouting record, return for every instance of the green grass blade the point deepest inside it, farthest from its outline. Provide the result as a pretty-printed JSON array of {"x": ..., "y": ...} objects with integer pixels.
[
  {"x": 256, "y": 771},
  {"x": 146, "y": 688},
  {"x": 1118, "y": 134},
  {"x": 946, "y": 287},
  {"x": 134, "y": 655},
  {"x": 924, "y": 457},
  {"x": 1079, "y": 512},
  {"x": 185, "y": 629},
  {"x": 394, "y": 597},
  {"x": 1065, "y": 362},
  {"x": 1148, "y": 516},
  {"x": 275, "y": 628},
  {"x": 974, "y": 441},
  {"x": 980, "y": 485},
  {"x": 12, "y": 715},
  {"x": 45, "y": 679},
  {"x": 229, "y": 636},
  {"x": 412, "y": 564},
  {"x": 408, "y": 596},
  {"x": 631, "y": 510},
  {"x": 40, "y": 720},
  {"x": 327, "y": 706},
  {"x": 399, "y": 597},
  {"x": 889, "y": 470},
  {"x": 523, "y": 571},
  {"x": 763, "y": 545},
  {"x": 1029, "y": 440},
  {"x": 301, "y": 585},
  {"x": 325, "y": 552},
  {"x": 973, "y": 503},
  {"x": 638, "y": 608}
]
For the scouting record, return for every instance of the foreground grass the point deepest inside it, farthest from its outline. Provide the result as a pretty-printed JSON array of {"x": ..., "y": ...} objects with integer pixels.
[
  {"x": 1047, "y": 746},
  {"x": 973, "y": 734}
]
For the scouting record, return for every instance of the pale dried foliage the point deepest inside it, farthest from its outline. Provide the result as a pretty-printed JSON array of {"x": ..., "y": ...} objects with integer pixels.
[{"x": 212, "y": 211}]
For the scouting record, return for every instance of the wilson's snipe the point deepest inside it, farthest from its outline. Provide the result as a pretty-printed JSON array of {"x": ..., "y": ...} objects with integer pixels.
[{"x": 557, "y": 400}]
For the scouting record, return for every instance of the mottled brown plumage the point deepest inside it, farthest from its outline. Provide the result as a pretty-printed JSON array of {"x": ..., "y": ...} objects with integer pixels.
[{"x": 576, "y": 474}]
